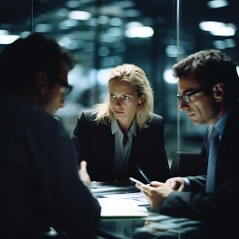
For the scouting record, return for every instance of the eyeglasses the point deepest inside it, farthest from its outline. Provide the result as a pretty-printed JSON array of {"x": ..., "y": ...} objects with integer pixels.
[
  {"x": 68, "y": 88},
  {"x": 186, "y": 97}
]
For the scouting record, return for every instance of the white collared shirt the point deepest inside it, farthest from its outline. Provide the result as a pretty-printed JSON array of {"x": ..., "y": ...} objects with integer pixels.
[{"x": 122, "y": 151}]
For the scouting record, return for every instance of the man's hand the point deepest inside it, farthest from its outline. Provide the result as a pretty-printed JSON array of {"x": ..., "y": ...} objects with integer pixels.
[
  {"x": 155, "y": 194},
  {"x": 176, "y": 183},
  {"x": 84, "y": 176}
]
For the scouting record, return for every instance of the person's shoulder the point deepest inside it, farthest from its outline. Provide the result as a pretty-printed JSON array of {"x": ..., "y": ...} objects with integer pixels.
[
  {"x": 155, "y": 120},
  {"x": 89, "y": 114},
  {"x": 29, "y": 119},
  {"x": 38, "y": 122},
  {"x": 156, "y": 117},
  {"x": 45, "y": 120}
]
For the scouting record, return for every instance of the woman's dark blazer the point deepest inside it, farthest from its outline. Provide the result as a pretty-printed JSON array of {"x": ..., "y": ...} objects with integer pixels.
[{"x": 96, "y": 144}]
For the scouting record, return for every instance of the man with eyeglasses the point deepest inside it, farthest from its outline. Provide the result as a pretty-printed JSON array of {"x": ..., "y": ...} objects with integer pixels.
[
  {"x": 208, "y": 93},
  {"x": 39, "y": 183}
]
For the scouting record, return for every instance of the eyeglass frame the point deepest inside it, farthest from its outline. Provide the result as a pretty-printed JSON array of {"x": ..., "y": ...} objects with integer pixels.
[
  {"x": 186, "y": 97},
  {"x": 68, "y": 87}
]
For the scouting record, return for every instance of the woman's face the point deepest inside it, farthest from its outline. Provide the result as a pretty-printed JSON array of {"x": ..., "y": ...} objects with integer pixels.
[{"x": 124, "y": 100}]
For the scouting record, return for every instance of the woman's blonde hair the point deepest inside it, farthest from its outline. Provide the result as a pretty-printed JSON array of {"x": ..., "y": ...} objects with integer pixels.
[{"x": 136, "y": 76}]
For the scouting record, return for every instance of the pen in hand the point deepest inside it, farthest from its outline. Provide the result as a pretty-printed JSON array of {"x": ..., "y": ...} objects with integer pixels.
[{"x": 145, "y": 177}]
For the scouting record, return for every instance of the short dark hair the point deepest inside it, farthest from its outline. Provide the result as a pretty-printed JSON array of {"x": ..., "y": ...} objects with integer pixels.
[
  {"x": 21, "y": 60},
  {"x": 211, "y": 67}
]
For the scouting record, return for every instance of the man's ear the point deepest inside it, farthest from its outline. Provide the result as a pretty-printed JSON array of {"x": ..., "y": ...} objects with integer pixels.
[
  {"x": 42, "y": 83},
  {"x": 218, "y": 91}
]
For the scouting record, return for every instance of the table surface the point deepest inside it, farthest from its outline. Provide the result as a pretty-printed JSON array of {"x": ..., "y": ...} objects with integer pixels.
[{"x": 152, "y": 226}]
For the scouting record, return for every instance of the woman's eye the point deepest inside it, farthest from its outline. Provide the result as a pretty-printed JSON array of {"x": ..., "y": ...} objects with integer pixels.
[
  {"x": 112, "y": 96},
  {"x": 126, "y": 97}
]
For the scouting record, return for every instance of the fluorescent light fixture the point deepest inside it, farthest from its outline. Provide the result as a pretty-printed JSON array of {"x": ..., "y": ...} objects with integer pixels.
[
  {"x": 218, "y": 28},
  {"x": 4, "y": 32},
  {"x": 66, "y": 24},
  {"x": 42, "y": 27},
  {"x": 217, "y": 3},
  {"x": 103, "y": 19},
  {"x": 141, "y": 32},
  {"x": 168, "y": 77},
  {"x": 115, "y": 21},
  {"x": 224, "y": 32},
  {"x": 219, "y": 44},
  {"x": 173, "y": 50},
  {"x": 79, "y": 15},
  {"x": 103, "y": 76},
  {"x": 230, "y": 43},
  {"x": 133, "y": 24},
  {"x": 223, "y": 44},
  {"x": 7, "y": 39}
]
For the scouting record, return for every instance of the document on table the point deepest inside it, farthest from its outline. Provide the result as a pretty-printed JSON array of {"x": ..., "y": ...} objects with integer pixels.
[
  {"x": 120, "y": 200},
  {"x": 136, "y": 198},
  {"x": 103, "y": 190},
  {"x": 111, "y": 207}
]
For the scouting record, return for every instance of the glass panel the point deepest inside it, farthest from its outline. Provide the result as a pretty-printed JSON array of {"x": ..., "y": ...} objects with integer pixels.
[{"x": 151, "y": 34}]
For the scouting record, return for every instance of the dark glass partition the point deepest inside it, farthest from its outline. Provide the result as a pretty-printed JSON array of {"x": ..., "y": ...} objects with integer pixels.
[{"x": 152, "y": 34}]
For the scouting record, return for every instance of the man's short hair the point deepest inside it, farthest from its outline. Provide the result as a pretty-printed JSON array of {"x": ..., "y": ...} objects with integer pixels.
[{"x": 21, "y": 60}]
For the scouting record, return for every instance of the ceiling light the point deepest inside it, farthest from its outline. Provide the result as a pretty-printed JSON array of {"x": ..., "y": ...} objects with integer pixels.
[
  {"x": 217, "y": 3},
  {"x": 141, "y": 32},
  {"x": 79, "y": 15},
  {"x": 7, "y": 39},
  {"x": 3, "y": 32},
  {"x": 168, "y": 77},
  {"x": 218, "y": 28},
  {"x": 66, "y": 24}
]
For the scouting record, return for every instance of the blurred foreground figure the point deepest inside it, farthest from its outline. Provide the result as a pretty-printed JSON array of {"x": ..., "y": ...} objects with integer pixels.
[{"x": 39, "y": 183}]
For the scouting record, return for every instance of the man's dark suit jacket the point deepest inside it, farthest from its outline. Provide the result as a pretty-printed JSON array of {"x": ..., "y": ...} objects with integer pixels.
[
  {"x": 217, "y": 207},
  {"x": 96, "y": 144},
  {"x": 39, "y": 182}
]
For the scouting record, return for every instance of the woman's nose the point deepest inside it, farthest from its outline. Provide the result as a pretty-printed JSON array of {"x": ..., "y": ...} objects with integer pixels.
[{"x": 118, "y": 101}]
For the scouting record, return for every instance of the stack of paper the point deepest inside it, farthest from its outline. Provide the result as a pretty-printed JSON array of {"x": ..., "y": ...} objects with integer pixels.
[{"x": 111, "y": 207}]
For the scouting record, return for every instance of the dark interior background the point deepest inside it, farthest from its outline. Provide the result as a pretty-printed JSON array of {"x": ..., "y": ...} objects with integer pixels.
[{"x": 100, "y": 43}]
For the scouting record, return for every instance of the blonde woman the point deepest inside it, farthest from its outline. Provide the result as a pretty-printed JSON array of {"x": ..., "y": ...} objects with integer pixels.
[{"x": 122, "y": 133}]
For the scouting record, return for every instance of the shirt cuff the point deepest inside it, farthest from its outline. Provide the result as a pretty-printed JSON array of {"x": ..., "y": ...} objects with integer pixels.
[{"x": 187, "y": 186}]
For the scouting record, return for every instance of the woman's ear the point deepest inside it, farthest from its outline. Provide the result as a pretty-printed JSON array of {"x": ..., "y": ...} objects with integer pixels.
[
  {"x": 142, "y": 99},
  {"x": 218, "y": 91},
  {"x": 42, "y": 83}
]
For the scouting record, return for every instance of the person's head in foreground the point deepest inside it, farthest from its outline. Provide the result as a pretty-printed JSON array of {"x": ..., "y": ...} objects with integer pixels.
[{"x": 35, "y": 69}]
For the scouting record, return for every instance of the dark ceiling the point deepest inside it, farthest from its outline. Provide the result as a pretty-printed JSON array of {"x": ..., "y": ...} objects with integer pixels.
[{"x": 18, "y": 16}]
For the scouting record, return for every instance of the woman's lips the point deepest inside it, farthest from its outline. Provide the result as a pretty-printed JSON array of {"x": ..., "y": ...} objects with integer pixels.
[{"x": 119, "y": 112}]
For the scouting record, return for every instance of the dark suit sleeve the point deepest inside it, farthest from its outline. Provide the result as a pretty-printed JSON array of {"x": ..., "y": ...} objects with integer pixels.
[{"x": 72, "y": 207}]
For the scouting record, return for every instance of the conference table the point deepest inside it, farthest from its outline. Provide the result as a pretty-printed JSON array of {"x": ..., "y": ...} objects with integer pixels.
[{"x": 126, "y": 214}]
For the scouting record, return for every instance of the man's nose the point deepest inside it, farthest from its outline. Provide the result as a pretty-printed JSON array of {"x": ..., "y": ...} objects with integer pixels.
[
  {"x": 183, "y": 105},
  {"x": 62, "y": 103}
]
